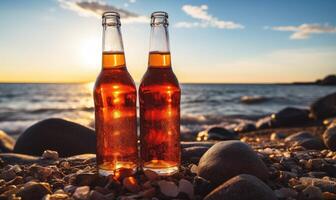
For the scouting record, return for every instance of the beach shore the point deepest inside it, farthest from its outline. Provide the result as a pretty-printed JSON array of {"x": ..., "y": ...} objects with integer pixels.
[{"x": 290, "y": 154}]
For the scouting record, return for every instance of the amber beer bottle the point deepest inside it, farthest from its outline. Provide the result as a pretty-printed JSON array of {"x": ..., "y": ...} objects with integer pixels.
[
  {"x": 115, "y": 104},
  {"x": 160, "y": 94}
]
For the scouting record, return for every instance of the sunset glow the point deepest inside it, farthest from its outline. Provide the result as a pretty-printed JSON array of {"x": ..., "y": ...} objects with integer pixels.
[{"x": 214, "y": 42}]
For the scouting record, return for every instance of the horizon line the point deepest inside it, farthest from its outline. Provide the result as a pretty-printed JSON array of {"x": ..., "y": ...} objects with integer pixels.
[{"x": 214, "y": 83}]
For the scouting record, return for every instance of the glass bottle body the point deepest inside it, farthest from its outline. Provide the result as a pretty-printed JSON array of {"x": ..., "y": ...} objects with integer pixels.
[
  {"x": 159, "y": 95},
  {"x": 115, "y": 116}
]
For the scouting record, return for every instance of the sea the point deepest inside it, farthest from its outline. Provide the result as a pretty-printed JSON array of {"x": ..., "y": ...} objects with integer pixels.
[{"x": 202, "y": 105}]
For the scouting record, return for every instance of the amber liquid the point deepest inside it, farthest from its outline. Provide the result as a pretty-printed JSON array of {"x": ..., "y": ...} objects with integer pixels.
[
  {"x": 160, "y": 116},
  {"x": 115, "y": 116}
]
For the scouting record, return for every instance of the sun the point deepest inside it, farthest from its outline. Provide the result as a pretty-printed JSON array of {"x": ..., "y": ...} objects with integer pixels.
[{"x": 90, "y": 53}]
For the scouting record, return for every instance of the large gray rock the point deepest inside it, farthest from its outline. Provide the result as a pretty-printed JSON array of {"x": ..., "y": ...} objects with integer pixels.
[
  {"x": 227, "y": 159},
  {"x": 242, "y": 187},
  {"x": 67, "y": 138},
  {"x": 324, "y": 107},
  {"x": 6, "y": 143},
  {"x": 329, "y": 137}
]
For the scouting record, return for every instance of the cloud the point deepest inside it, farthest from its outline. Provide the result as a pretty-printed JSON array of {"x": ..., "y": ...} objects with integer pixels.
[
  {"x": 204, "y": 19},
  {"x": 304, "y": 31},
  {"x": 89, "y": 8}
]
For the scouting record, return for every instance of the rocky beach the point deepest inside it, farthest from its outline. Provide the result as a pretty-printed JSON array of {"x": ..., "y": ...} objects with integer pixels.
[{"x": 290, "y": 154}]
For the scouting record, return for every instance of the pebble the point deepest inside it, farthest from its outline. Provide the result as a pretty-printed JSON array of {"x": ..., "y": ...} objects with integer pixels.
[
  {"x": 187, "y": 188},
  {"x": 81, "y": 193},
  {"x": 151, "y": 175},
  {"x": 131, "y": 184},
  {"x": 312, "y": 192},
  {"x": 329, "y": 137},
  {"x": 323, "y": 184},
  {"x": 194, "y": 169},
  {"x": 148, "y": 193},
  {"x": 8, "y": 175},
  {"x": 49, "y": 154},
  {"x": 217, "y": 133},
  {"x": 283, "y": 193},
  {"x": 69, "y": 188},
  {"x": 94, "y": 195},
  {"x": 168, "y": 188},
  {"x": 40, "y": 172},
  {"x": 56, "y": 197},
  {"x": 86, "y": 179},
  {"x": 315, "y": 163},
  {"x": 329, "y": 195},
  {"x": 201, "y": 186},
  {"x": 33, "y": 190}
]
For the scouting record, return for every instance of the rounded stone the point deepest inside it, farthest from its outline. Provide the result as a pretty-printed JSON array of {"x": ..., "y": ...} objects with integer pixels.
[
  {"x": 329, "y": 137},
  {"x": 242, "y": 187},
  {"x": 65, "y": 137},
  {"x": 290, "y": 116},
  {"x": 299, "y": 136},
  {"x": 324, "y": 107},
  {"x": 228, "y": 159},
  {"x": 34, "y": 191},
  {"x": 217, "y": 133},
  {"x": 310, "y": 143}
]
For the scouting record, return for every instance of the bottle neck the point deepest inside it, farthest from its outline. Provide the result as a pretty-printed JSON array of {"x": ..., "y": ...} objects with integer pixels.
[
  {"x": 159, "y": 52},
  {"x": 113, "y": 49}
]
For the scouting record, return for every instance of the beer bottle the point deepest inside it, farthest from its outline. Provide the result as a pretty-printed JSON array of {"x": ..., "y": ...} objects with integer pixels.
[
  {"x": 115, "y": 104},
  {"x": 159, "y": 95}
]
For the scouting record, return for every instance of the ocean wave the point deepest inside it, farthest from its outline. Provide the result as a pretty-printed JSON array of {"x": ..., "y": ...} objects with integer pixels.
[{"x": 253, "y": 99}]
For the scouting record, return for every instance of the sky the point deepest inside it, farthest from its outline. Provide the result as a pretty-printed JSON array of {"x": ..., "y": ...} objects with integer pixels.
[{"x": 255, "y": 41}]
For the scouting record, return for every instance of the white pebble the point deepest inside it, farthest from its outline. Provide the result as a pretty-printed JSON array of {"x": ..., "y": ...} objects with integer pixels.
[
  {"x": 168, "y": 188},
  {"x": 186, "y": 187},
  {"x": 81, "y": 192}
]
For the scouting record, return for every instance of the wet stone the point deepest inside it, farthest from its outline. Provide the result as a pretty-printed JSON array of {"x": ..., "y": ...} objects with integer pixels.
[
  {"x": 312, "y": 192},
  {"x": 49, "y": 154},
  {"x": 323, "y": 184},
  {"x": 151, "y": 175},
  {"x": 34, "y": 190},
  {"x": 94, "y": 195},
  {"x": 81, "y": 193},
  {"x": 186, "y": 187},
  {"x": 283, "y": 193},
  {"x": 168, "y": 188},
  {"x": 88, "y": 179},
  {"x": 131, "y": 184},
  {"x": 329, "y": 137},
  {"x": 242, "y": 187},
  {"x": 8, "y": 175}
]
